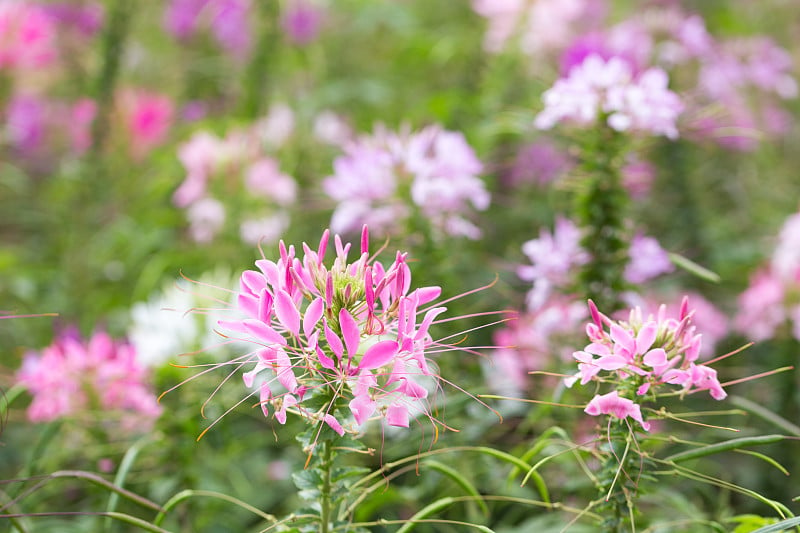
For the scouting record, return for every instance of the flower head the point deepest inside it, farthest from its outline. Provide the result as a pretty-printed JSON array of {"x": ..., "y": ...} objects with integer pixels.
[
  {"x": 73, "y": 375},
  {"x": 341, "y": 341},
  {"x": 641, "y": 355},
  {"x": 27, "y": 36},
  {"x": 389, "y": 177},
  {"x": 610, "y": 90}
]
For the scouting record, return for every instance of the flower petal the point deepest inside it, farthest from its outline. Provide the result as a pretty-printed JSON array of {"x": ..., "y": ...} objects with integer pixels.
[
  {"x": 379, "y": 354},
  {"x": 350, "y": 331},
  {"x": 287, "y": 312}
]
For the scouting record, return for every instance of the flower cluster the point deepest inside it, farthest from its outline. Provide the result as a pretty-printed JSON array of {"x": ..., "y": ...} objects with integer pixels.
[
  {"x": 217, "y": 167},
  {"x": 72, "y": 376},
  {"x": 539, "y": 25},
  {"x": 349, "y": 333},
  {"x": 27, "y": 36},
  {"x": 556, "y": 256},
  {"x": 639, "y": 356},
  {"x": 742, "y": 80},
  {"x": 773, "y": 297},
  {"x": 609, "y": 90},
  {"x": 389, "y": 177},
  {"x": 228, "y": 20}
]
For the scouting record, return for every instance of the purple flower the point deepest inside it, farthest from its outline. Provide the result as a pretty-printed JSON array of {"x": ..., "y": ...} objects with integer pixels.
[
  {"x": 301, "y": 21},
  {"x": 647, "y": 260}
]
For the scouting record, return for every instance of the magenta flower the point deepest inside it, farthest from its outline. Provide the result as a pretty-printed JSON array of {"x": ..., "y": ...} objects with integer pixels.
[
  {"x": 148, "y": 118},
  {"x": 301, "y": 21},
  {"x": 228, "y": 20},
  {"x": 73, "y": 377},
  {"x": 339, "y": 344},
  {"x": 387, "y": 178},
  {"x": 27, "y": 36}
]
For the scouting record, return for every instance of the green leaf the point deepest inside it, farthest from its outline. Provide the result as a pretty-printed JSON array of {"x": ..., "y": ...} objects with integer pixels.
[
  {"x": 725, "y": 446},
  {"x": 693, "y": 268},
  {"x": 461, "y": 481},
  {"x": 780, "y": 526}
]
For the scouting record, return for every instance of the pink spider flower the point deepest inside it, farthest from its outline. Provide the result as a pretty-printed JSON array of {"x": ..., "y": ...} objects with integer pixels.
[
  {"x": 610, "y": 90},
  {"x": 353, "y": 334},
  {"x": 389, "y": 177},
  {"x": 73, "y": 376},
  {"x": 27, "y": 36},
  {"x": 643, "y": 354},
  {"x": 148, "y": 118}
]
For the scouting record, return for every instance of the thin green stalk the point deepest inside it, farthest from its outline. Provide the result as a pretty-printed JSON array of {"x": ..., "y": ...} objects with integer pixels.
[
  {"x": 114, "y": 36},
  {"x": 601, "y": 208},
  {"x": 326, "y": 489}
]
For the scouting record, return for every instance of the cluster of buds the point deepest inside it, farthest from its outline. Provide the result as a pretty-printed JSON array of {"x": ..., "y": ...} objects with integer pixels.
[
  {"x": 638, "y": 357},
  {"x": 347, "y": 333}
]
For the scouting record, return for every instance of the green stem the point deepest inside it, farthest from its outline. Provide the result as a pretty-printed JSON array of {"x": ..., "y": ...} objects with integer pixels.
[
  {"x": 264, "y": 55},
  {"x": 601, "y": 207},
  {"x": 617, "y": 480},
  {"x": 326, "y": 489},
  {"x": 116, "y": 31}
]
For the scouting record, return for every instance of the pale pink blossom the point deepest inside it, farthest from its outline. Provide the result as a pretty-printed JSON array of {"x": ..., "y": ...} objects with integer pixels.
[
  {"x": 264, "y": 230},
  {"x": 646, "y": 353},
  {"x": 647, "y": 260},
  {"x": 554, "y": 258},
  {"x": 536, "y": 26},
  {"x": 206, "y": 218},
  {"x": 74, "y": 378},
  {"x": 382, "y": 179},
  {"x": 264, "y": 177},
  {"x": 609, "y": 88}
]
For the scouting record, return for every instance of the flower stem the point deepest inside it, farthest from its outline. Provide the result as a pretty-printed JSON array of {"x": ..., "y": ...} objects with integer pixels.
[
  {"x": 326, "y": 489},
  {"x": 617, "y": 484},
  {"x": 601, "y": 207}
]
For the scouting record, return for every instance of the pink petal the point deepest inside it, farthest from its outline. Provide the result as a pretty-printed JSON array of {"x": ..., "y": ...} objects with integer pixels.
[
  {"x": 285, "y": 371},
  {"x": 312, "y": 315},
  {"x": 334, "y": 424},
  {"x": 655, "y": 358},
  {"x": 397, "y": 415},
  {"x": 263, "y": 398},
  {"x": 350, "y": 331},
  {"x": 333, "y": 341},
  {"x": 623, "y": 337},
  {"x": 428, "y": 294},
  {"x": 362, "y": 408},
  {"x": 646, "y": 337},
  {"x": 264, "y": 332},
  {"x": 379, "y": 354},
  {"x": 287, "y": 312},
  {"x": 427, "y": 321}
]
